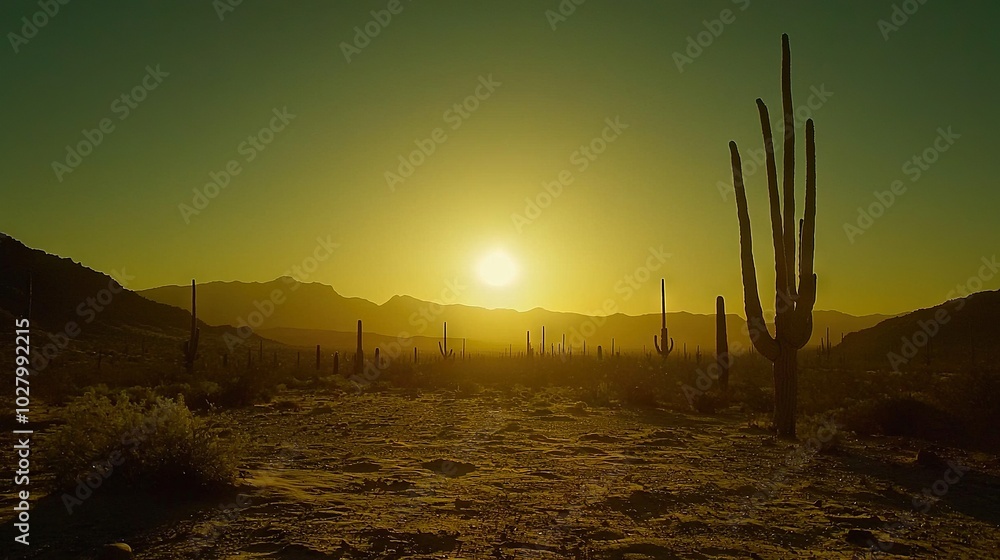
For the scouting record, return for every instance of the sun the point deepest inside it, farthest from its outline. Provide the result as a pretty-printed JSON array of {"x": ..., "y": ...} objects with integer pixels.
[{"x": 497, "y": 269}]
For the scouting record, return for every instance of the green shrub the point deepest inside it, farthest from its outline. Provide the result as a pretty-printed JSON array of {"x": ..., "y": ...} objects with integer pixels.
[{"x": 158, "y": 443}]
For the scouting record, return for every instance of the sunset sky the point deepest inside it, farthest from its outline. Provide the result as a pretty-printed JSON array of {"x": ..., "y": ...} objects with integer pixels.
[{"x": 608, "y": 69}]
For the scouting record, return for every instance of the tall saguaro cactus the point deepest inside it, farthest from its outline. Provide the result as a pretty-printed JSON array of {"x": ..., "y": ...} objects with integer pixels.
[
  {"x": 191, "y": 345},
  {"x": 445, "y": 353},
  {"x": 663, "y": 350},
  {"x": 793, "y": 300},
  {"x": 722, "y": 344}
]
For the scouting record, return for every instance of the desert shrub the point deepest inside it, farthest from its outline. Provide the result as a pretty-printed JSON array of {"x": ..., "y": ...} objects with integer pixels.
[
  {"x": 244, "y": 389},
  {"x": 974, "y": 397},
  {"x": 287, "y": 405},
  {"x": 760, "y": 421},
  {"x": 707, "y": 402},
  {"x": 199, "y": 395},
  {"x": 598, "y": 395},
  {"x": 754, "y": 398},
  {"x": 902, "y": 416},
  {"x": 820, "y": 433},
  {"x": 159, "y": 443}
]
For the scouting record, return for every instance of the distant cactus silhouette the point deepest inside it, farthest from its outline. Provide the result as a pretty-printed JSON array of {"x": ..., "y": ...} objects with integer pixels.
[
  {"x": 191, "y": 345},
  {"x": 541, "y": 349},
  {"x": 793, "y": 303},
  {"x": 528, "y": 349},
  {"x": 721, "y": 343},
  {"x": 445, "y": 353},
  {"x": 317, "y": 357},
  {"x": 359, "y": 354},
  {"x": 600, "y": 353},
  {"x": 336, "y": 363},
  {"x": 664, "y": 350}
]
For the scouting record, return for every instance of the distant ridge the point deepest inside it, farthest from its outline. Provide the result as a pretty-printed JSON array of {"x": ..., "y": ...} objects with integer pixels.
[
  {"x": 289, "y": 310},
  {"x": 318, "y": 307},
  {"x": 66, "y": 293}
]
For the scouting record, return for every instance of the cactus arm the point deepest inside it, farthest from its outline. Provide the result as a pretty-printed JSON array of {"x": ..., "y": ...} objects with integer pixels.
[
  {"x": 788, "y": 173},
  {"x": 759, "y": 335},
  {"x": 808, "y": 232},
  {"x": 777, "y": 237},
  {"x": 803, "y": 320}
]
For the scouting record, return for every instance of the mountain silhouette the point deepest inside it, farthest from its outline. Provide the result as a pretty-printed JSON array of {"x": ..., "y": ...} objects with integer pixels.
[
  {"x": 284, "y": 309},
  {"x": 959, "y": 332},
  {"x": 71, "y": 300}
]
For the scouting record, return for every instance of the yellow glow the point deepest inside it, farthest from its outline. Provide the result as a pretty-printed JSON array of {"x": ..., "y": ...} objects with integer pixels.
[{"x": 497, "y": 268}]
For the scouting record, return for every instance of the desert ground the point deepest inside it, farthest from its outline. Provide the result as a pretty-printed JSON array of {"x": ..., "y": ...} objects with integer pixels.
[{"x": 534, "y": 473}]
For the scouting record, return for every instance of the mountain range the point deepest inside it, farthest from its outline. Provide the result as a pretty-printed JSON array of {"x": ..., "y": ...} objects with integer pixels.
[
  {"x": 304, "y": 314},
  {"x": 283, "y": 308}
]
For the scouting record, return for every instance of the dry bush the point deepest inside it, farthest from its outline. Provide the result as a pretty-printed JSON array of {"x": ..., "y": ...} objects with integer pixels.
[{"x": 159, "y": 443}]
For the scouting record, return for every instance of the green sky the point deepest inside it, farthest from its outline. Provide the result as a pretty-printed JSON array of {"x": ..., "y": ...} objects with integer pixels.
[{"x": 656, "y": 185}]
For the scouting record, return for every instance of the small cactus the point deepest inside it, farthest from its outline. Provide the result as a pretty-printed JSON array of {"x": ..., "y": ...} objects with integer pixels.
[
  {"x": 191, "y": 345},
  {"x": 661, "y": 345},
  {"x": 359, "y": 355},
  {"x": 445, "y": 353},
  {"x": 722, "y": 343}
]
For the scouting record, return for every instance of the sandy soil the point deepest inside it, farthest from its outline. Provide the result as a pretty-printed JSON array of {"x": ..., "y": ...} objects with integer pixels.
[{"x": 539, "y": 476}]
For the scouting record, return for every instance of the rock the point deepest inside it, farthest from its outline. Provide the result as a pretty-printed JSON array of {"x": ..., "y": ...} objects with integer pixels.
[
  {"x": 116, "y": 551},
  {"x": 861, "y": 537},
  {"x": 818, "y": 503}
]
